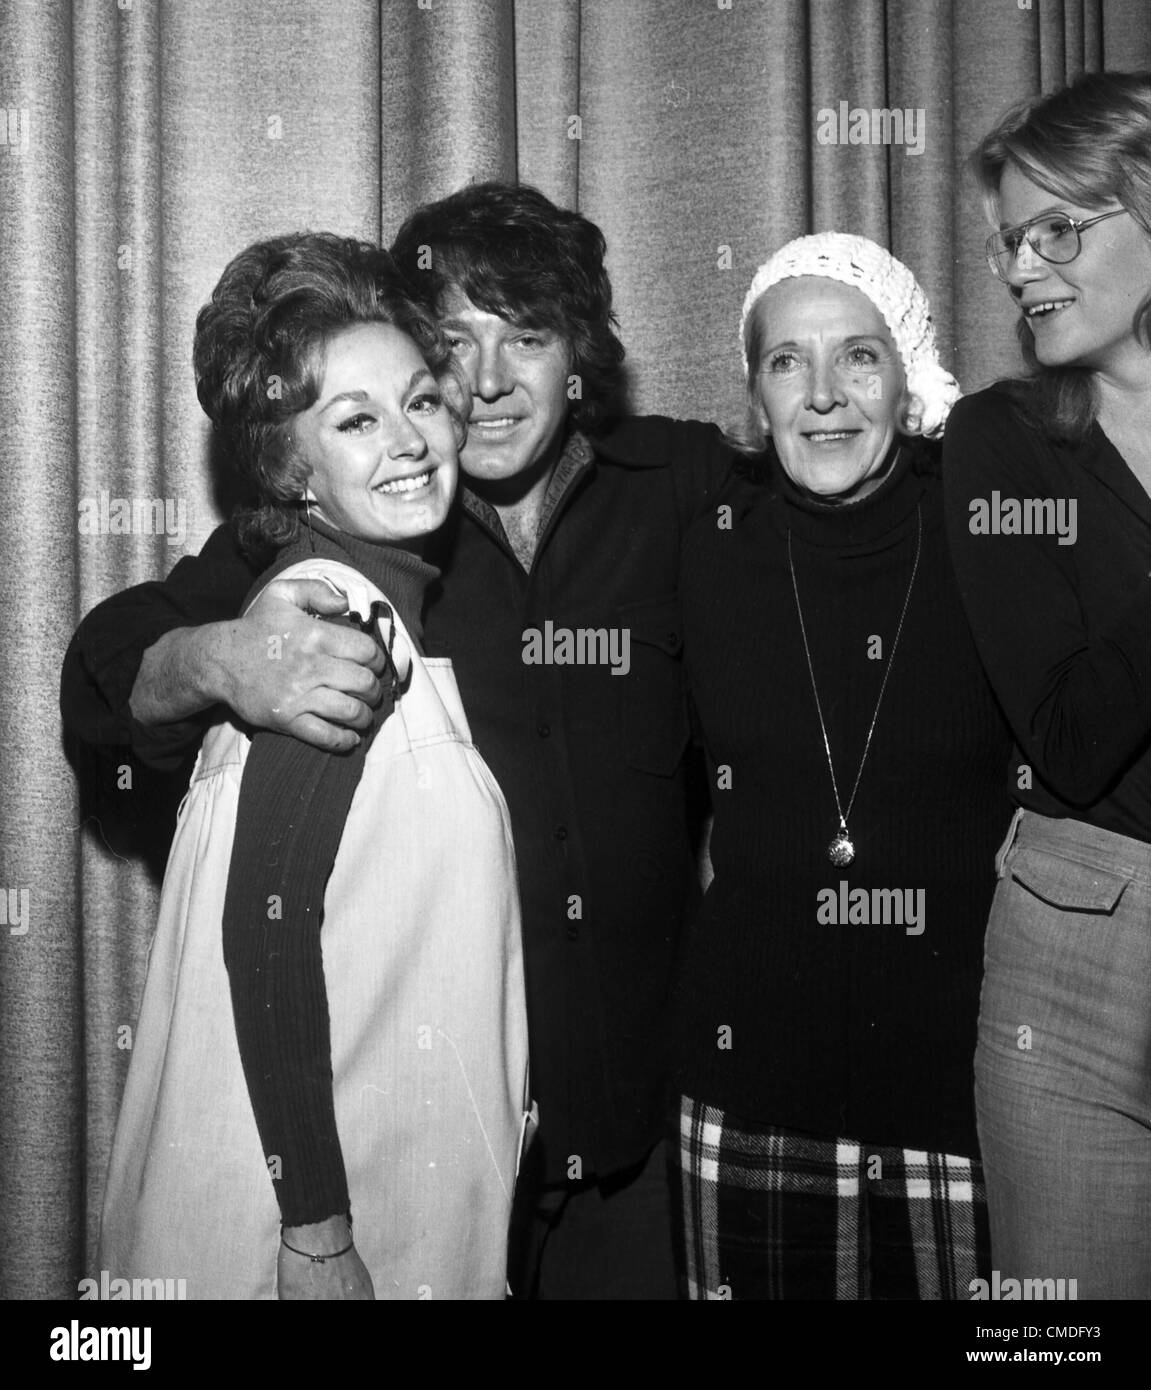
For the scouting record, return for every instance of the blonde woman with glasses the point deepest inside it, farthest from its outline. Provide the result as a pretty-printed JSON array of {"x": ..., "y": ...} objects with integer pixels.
[{"x": 1049, "y": 513}]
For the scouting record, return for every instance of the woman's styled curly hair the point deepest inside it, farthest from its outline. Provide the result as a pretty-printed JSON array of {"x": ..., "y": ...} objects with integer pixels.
[
  {"x": 514, "y": 253},
  {"x": 259, "y": 358}
]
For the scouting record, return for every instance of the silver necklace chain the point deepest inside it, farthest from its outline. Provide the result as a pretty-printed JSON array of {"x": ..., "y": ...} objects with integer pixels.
[{"x": 842, "y": 851}]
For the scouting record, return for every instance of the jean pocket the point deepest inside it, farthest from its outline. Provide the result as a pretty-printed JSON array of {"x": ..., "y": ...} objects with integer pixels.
[{"x": 1066, "y": 883}]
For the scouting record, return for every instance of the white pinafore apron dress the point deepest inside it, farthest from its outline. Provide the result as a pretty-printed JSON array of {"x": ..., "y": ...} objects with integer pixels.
[{"x": 423, "y": 965}]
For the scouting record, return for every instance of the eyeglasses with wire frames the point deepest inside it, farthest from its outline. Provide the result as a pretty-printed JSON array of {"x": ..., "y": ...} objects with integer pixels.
[{"x": 1054, "y": 237}]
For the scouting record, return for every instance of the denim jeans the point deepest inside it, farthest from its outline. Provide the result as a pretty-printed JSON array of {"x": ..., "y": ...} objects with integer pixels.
[{"x": 1063, "y": 1063}]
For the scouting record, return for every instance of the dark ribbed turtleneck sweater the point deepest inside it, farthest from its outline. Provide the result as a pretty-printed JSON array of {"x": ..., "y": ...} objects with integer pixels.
[
  {"x": 857, "y": 1030},
  {"x": 401, "y": 574},
  {"x": 294, "y": 800}
]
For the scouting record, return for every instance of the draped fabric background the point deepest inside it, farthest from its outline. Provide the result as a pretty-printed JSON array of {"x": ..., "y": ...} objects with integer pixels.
[{"x": 147, "y": 141}]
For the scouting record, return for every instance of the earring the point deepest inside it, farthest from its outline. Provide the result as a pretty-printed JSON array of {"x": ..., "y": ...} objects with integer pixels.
[{"x": 308, "y": 522}]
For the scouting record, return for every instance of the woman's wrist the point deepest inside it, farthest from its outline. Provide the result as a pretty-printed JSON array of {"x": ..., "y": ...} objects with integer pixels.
[{"x": 319, "y": 1239}]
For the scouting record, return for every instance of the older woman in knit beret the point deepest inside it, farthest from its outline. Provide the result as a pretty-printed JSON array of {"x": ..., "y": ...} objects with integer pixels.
[{"x": 830, "y": 985}]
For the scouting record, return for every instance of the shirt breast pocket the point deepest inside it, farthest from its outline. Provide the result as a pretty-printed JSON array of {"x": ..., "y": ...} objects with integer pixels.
[{"x": 653, "y": 701}]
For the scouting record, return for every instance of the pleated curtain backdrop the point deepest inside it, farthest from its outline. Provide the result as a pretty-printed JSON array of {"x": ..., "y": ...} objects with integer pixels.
[{"x": 144, "y": 142}]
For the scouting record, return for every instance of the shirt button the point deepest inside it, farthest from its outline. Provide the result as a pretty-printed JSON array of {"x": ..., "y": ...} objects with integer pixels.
[
  {"x": 543, "y": 729},
  {"x": 560, "y": 832}
]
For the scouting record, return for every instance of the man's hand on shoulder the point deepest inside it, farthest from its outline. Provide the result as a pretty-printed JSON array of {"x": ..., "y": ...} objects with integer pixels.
[{"x": 277, "y": 668}]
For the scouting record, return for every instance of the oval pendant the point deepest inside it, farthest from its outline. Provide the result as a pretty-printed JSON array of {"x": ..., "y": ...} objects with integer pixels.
[{"x": 841, "y": 851}]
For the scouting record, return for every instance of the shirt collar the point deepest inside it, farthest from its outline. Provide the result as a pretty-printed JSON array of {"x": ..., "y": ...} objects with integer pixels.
[{"x": 577, "y": 455}]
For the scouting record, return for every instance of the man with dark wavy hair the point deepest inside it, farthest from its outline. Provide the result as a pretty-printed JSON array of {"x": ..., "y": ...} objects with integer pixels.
[{"x": 558, "y": 609}]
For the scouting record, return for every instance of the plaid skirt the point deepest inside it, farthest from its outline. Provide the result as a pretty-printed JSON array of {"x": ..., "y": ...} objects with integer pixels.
[{"x": 763, "y": 1212}]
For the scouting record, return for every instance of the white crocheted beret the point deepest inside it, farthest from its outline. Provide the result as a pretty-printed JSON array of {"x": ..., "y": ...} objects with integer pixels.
[{"x": 895, "y": 292}]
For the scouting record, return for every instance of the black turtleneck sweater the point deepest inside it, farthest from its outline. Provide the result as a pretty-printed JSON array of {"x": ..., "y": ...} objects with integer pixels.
[
  {"x": 787, "y": 1015},
  {"x": 294, "y": 800}
]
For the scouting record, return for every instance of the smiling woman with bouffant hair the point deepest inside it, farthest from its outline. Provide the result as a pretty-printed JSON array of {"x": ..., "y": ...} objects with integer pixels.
[
  {"x": 333, "y": 1022},
  {"x": 259, "y": 356},
  {"x": 1061, "y": 612}
]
